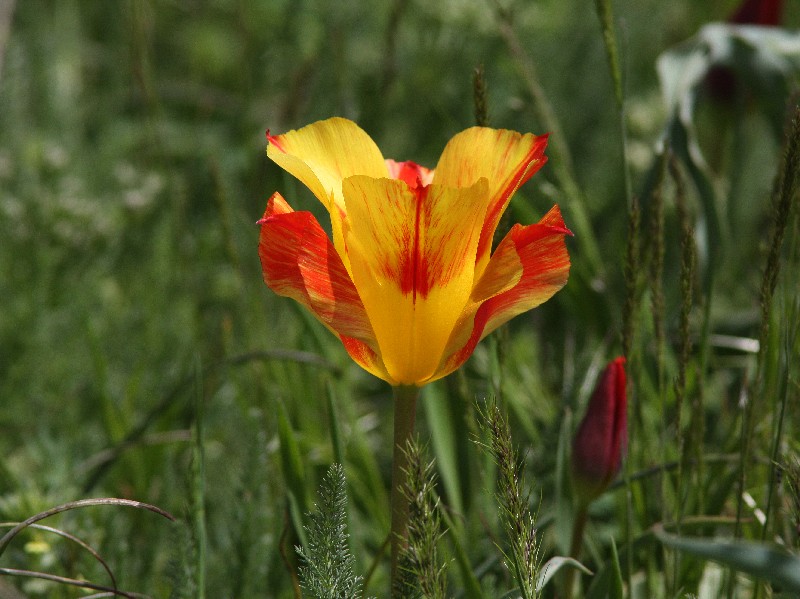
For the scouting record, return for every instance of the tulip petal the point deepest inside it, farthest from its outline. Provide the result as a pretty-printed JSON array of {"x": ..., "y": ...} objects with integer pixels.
[
  {"x": 365, "y": 356},
  {"x": 299, "y": 261},
  {"x": 506, "y": 159},
  {"x": 529, "y": 266},
  {"x": 321, "y": 155},
  {"x": 410, "y": 172},
  {"x": 412, "y": 253}
]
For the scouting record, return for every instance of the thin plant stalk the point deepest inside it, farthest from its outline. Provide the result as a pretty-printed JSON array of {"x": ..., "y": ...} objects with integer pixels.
[
  {"x": 578, "y": 528},
  {"x": 84, "y": 584},
  {"x": 632, "y": 266},
  {"x": 657, "y": 302},
  {"x": 6, "y": 539},
  {"x": 658, "y": 311},
  {"x": 605, "y": 15},
  {"x": 784, "y": 198},
  {"x": 559, "y": 149},
  {"x": 405, "y": 405},
  {"x": 198, "y": 489},
  {"x": 687, "y": 291},
  {"x": 519, "y": 522}
]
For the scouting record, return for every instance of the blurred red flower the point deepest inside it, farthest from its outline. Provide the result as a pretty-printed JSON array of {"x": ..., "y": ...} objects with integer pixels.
[{"x": 758, "y": 12}]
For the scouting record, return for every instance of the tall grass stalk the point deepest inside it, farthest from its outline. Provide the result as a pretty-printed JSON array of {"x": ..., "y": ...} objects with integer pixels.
[
  {"x": 519, "y": 523},
  {"x": 784, "y": 197},
  {"x": 422, "y": 569},
  {"x": 687, "y": 274},
  {"x": 630, "y": 309},
  {"x": 657, "y": 307},
  {"x": 605, "y": 15},
  {"x": 198, "y": 487},
  {"x": 558, "y": 148},
  {"x": 480, "y": 97}
]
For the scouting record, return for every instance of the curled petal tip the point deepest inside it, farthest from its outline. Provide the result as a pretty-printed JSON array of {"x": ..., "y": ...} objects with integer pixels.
[{"x": 272, "y": 140}]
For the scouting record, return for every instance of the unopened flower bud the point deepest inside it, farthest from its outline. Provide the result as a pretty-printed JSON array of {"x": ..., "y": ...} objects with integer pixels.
[{"x": 602, "y": 436}]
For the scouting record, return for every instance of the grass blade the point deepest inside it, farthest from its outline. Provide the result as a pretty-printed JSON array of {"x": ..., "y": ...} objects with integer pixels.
[{"x": 761, "y": 560}]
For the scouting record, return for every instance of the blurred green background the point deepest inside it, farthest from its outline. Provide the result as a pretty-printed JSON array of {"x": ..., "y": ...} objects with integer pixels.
[{"x": 132, "y": 171}]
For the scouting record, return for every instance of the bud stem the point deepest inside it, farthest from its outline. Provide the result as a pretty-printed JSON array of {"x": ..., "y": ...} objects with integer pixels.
[{"x": 578, "y": 526}]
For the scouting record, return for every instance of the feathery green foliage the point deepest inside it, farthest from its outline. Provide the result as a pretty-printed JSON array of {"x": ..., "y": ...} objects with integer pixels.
[{"x": 328, "y": 566}]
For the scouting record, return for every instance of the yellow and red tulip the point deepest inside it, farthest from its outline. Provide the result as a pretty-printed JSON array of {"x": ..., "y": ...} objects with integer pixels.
[{"x": 408, "y": 281}]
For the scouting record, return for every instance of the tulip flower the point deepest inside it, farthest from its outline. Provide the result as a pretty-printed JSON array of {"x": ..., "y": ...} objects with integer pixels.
[
  {"x": 601, "y": 440},
  {"x": 409, "y": 282}
]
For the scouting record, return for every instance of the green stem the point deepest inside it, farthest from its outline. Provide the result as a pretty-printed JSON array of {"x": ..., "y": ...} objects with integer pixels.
[
  {"x": 578, "y": 527},
  {"x": 405, "y": 403}
]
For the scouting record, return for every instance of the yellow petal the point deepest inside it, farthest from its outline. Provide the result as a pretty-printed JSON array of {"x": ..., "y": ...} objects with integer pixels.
[
  {"x": 412, "y": 253},
  {"x": 506, "y": 159},
  {"x": 323, "y": 154}
]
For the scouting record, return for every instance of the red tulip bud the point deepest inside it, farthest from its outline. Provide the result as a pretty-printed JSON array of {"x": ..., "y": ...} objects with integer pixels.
[
  {"x": 722, "y": 82},
  {"x": 602, "y": 436},
  {"x": 758, "y": 12}
]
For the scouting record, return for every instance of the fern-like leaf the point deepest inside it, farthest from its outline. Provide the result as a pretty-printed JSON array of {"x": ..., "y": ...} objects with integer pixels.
[{"x": 328, "y": 565}]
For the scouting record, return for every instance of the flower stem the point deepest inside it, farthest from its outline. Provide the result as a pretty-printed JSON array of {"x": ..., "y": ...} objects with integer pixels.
[
  {"x": 578, "y": 527},
  {"x": 405, "y": 403}
]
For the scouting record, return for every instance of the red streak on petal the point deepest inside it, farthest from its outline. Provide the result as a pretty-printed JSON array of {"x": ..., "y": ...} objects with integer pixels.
[
  {"x": 420, "y": 196},
  {"x": 413, "y": 265},
  {"x": 273, "y": 140},
  {"x": 364, "y": 356}
]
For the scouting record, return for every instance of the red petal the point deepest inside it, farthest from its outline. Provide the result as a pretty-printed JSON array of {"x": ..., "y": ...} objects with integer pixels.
[
  {"x": 299, "y": 261},
  {"x": 601, "y": 437},
  {"x": 545, "y": 268}
]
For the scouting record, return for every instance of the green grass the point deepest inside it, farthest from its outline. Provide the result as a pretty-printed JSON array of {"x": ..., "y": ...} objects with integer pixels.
[{"x": 132, "y": 171}]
